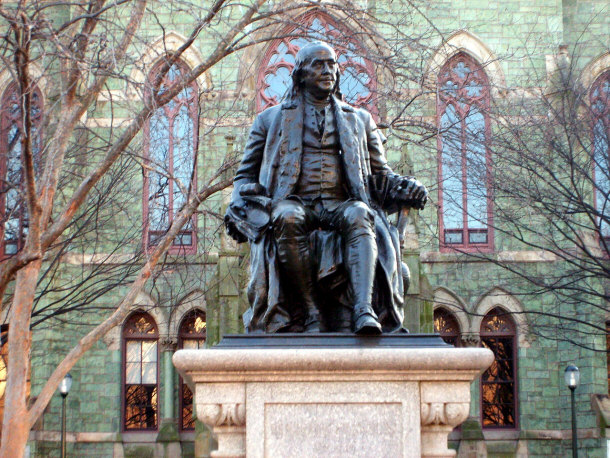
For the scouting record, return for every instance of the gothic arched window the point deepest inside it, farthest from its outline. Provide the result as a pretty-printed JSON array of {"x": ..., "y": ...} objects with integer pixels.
[
  {"x": 464, "y": 163},
  {"x": 140, "y": 373},
  {"x": 600, "y": 108},
  {"x": 171, "y": 145},
  {"x": 499, "y": 382},
  {"x": 13, "y": 208},
  {"x": 447, "y": 326},
  {"x": 358, "y": 82},
  {"x": 192, "y": 335}
]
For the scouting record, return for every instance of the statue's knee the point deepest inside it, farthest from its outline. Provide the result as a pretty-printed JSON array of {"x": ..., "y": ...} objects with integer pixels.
[
  {"x": 288, "y": 218},
  {"x": 359, "y": 215}
]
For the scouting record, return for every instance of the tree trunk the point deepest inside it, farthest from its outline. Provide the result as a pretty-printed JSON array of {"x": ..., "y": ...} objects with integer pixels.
[{"x": 15, "y": 428}]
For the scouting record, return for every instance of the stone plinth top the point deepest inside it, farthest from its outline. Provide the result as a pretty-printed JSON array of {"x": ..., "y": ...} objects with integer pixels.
[{"x": 370, "y": 363}]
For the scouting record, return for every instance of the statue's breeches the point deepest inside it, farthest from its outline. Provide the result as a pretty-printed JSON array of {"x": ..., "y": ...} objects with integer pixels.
[{"x": 294, "y": 220}]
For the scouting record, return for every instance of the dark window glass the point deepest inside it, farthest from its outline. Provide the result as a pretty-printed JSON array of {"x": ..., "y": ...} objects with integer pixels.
[
  {"x": 600, "y": 108},
  {"x": 463, "y": 102},
  {"x": 140, "y": 374},
  {"x": 357, "y": 83},
  {"x": 171, "y": 152},
  {"x": 192, "y": 335},
  {"x": 13, "y": 208},
  {"x": 498, "y": 383},
  {"x": 447, "y": 326}
]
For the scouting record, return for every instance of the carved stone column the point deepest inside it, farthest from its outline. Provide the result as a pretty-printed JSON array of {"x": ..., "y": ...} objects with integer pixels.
[
  {"x": 168, "y": 347},
  {"x": 443, "y": 406},
  {"x": 168, "y": 438}
]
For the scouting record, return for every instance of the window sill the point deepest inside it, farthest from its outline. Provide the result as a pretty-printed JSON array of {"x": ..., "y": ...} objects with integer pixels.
[
  {"x": 140, "y": 436},
  {"x": 501, "y": 434}
]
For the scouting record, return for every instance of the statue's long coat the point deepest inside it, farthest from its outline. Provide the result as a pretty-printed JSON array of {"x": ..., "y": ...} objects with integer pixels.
[{"x": 272, "y": 157}]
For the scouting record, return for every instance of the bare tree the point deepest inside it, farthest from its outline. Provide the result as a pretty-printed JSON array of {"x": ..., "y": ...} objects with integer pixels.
[
  {"x": 69, "y": 173},
  {"x": 546, "y": 179}
]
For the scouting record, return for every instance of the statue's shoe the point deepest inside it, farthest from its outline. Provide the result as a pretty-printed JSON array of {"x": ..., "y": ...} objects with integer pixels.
[
  {"x": 312, "y": 324},
  {"x": 313, "y": 327},
  {"x": 367, "y": 325}
]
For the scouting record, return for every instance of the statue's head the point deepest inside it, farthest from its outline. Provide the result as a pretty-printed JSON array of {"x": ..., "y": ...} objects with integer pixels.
[{"x": 316, "y": 70}]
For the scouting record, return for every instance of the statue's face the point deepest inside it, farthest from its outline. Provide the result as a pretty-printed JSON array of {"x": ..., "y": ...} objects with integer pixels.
[{"x": 319, "y": 74}]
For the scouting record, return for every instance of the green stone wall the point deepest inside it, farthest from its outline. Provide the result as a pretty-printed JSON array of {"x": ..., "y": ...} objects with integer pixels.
[{"x": 521, "y": 34}]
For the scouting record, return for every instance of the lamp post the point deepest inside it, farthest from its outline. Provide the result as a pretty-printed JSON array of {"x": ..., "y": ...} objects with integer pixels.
[
  {"x": 572, "y": 378},
  {"x": 64, "y": 389}
]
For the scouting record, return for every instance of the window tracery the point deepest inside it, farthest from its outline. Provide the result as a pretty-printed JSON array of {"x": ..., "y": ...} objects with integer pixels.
[
  {"x": 447, "y": 326},
  {"x": 171, "y": 145},
  {"x": 357, "y": 83},
  {"x": 464, "y": 163}
]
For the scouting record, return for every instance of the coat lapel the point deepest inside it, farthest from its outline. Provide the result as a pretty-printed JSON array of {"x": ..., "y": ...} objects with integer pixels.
[
  {"x": 291, "y": 149},
  {"x": 347, "y": 125}
]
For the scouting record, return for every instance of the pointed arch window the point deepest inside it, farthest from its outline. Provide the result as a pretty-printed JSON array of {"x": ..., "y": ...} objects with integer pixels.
[
  {"x": 358, "y": 82},
  {"x": 13, "y": 208},
  {"x": 192, "y": 335},
  {"x": 140, "y": 373},
  {"x": 170, "y": 176},
  {"x": 464, "y": 161},
  {"x": 499, "y": 382},
  {"x": 447, "y": 326},
  {"x": 600, "y": 109}
]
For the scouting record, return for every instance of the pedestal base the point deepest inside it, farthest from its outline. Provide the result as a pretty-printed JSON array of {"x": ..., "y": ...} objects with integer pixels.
[{"x": 333, "y": 400}]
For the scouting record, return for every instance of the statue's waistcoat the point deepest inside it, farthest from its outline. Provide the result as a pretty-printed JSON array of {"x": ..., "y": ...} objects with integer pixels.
[{"x": 321, "y": 168}]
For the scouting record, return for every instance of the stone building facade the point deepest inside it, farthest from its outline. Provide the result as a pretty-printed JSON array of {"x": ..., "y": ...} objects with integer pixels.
[{"x": 127, "y": 399}]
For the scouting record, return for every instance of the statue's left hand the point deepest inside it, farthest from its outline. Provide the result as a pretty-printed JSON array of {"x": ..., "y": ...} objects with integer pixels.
[{"x": 410, "y": 191}]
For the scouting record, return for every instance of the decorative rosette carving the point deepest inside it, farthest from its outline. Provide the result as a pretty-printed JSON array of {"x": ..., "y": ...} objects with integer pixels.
[
  {"x": 222, "y": 414},
  {"x": 444, "y": 413}
]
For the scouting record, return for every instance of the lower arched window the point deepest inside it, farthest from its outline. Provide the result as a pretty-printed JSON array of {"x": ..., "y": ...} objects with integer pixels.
[
  {"x": 140, "y": 373},
  {"x": 192, "y": 335},
  {"x": 499, "y": 382},
  {"x": 447, "y": 326}
]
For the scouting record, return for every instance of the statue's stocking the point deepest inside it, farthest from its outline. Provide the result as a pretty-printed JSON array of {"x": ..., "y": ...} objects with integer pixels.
[
  {"x": 293, "y": 254},
  {"x": 361, "y": 258}
]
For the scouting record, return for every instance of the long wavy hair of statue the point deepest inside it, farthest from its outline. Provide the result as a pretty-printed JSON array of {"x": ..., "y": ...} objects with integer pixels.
[{"x": 294, "y": 94}]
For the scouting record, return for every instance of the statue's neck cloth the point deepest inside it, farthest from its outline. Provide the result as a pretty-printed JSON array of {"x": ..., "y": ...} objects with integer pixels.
[{"x": 319, "y": 104}]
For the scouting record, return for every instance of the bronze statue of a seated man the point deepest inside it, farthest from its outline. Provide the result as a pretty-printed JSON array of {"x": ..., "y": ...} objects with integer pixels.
[{"x": 311, "y": 194}]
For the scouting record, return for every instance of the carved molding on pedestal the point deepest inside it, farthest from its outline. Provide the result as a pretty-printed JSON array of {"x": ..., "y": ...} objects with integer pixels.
[
  {"x": 222, "y": 414},
  {"x": 228, "y": 421},
  {"x": 444, "y": 413},
  {"x": 438, "y": 418}
]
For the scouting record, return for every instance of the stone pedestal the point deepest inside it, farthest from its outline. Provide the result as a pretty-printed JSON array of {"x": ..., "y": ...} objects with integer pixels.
[{"x": 333, "y": 401}]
